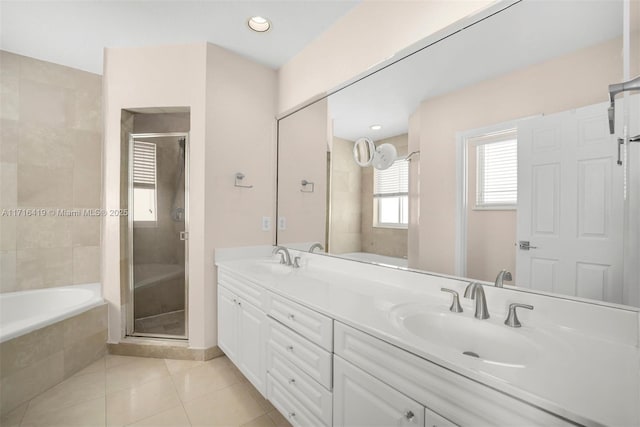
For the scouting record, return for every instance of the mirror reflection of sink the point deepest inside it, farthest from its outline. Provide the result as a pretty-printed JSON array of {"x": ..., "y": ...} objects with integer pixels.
[{"x": 486, "y": 340}]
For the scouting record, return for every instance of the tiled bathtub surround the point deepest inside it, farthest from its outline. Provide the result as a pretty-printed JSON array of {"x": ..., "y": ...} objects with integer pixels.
[
  {"x": 50, "y": 157},
  {"x": 33, "y": 363}
]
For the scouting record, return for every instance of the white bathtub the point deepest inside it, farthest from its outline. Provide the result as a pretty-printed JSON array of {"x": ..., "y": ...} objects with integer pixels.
[{"x": 25, "y": 311}]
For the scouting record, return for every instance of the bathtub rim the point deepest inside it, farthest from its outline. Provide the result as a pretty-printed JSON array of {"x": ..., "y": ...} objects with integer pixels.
[{"x": 42, "y": 322}]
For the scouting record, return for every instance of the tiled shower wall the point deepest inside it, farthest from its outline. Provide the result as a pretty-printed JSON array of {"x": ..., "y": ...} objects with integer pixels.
[{"x": 50, "y": 160}]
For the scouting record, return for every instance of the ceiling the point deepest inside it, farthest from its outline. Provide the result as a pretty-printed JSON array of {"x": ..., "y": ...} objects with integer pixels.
[
  {"x": 527, "y": 33},
  {"x": 74, "y": 33}
]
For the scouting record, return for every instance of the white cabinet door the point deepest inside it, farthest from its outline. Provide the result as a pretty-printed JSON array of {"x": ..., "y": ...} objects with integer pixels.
[
  {"x": 361, "y": 400},
  {"x": 251, "y": 344},
  {"x": 227, "y": 323}
]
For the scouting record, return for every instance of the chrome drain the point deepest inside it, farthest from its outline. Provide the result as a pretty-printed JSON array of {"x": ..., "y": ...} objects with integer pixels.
[{"x": 471, "y": 353}]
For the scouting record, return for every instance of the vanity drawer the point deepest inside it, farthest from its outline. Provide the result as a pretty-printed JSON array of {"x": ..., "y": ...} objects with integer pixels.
[
  {"x": 312, "y": 325},
  {"x": 289, "y": 406},
  {"x": 315, "y": 398},
  {"x": 243, "y": 288},
  {"x": 310, "y": 358},
  {"x": 462, "y": 400}
]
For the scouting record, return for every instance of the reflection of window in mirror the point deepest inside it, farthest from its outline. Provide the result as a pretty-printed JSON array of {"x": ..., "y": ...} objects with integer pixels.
[
  {"x": 496, "y": 171},
  {"x": 144, "y": 184},
  {"x": 391, "y": 196}
]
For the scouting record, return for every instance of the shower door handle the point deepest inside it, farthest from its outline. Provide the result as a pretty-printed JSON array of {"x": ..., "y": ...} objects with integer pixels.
[{"x": 184, "y": 235}]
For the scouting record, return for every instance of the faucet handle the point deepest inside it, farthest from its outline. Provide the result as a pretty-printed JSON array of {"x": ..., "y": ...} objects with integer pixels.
[
  {"x": 296, "y": 262},
  {"x": 455, "y": 303},
  {"x": 282, "y": 261},
  {"x": 512, "y": 317}
]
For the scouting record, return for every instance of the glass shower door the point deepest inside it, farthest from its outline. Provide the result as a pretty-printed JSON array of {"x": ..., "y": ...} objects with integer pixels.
[{"x": 157, "y": 234}]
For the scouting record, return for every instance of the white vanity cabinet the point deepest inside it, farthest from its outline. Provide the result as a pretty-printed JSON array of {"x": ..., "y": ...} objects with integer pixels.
[
  {"x": 461, "y": 400},
  {"x": 362, "y": 400},
  {"x": 241, "y": 327},
  {"x": 299, "y": 362}
]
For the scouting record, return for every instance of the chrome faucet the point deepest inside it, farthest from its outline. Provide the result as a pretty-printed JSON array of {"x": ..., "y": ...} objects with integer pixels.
[
  {"x": 316, "y": 246},
  {"x": 503, "y": 275},
  {"x": 285, "y": 256},
  {"x": 474, "y": 290}
]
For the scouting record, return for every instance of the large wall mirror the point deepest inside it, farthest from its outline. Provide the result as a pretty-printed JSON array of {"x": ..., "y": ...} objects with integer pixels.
[{"x": 505, "y": 160}]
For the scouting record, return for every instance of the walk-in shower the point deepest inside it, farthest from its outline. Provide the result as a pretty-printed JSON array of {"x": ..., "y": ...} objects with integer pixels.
[{"x": 157, "y": 234}]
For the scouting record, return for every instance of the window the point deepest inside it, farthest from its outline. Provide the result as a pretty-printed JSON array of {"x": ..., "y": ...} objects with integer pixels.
[
  {"x": 497, "y": 170},
  {"x": 391, "y": 195},
  {"x": 144, "y": 182}
]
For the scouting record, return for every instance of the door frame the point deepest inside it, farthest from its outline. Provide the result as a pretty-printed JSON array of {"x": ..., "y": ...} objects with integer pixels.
[
  {"x": 130, "y": 321},
  {"x": 462, "y": 145}
]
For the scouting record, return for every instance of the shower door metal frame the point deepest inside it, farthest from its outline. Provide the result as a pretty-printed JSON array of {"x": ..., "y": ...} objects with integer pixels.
[{"x": 130, "y": 323}]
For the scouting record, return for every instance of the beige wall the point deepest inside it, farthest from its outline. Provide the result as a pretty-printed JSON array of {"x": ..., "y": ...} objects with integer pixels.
[
  {"x": 380, "y": 240},
  {"x": 370, "y": 33},
  {"x": 345, "y": 205},
  {"x": 163, "y": 76},
  {"x": 50, "y": 158},
  {"x": 232, "y": 129},
  {"x": 302, "y": 154},
  {"x": 491, "y": 234},
  {"x": 561, "y": 84}
]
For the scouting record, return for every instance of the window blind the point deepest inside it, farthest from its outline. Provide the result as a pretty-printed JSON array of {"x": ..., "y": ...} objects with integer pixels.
[
  {"x": 144, "y": 164},
  {"x": 393, "y": 181},
  {"x": 497, "y": 173}
]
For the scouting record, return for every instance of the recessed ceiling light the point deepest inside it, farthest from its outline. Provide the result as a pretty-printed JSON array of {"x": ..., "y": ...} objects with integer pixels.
[
  {"x": 259, "y": 24},
  {"x": 375, "y": 127}
]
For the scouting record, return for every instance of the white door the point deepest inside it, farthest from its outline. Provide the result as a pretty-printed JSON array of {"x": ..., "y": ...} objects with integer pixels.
[
  {"x": 361, "y": 400},
  {"x": 570, "y": 205},
  {"x": 227, "y": 323},
  {"x": 251, "y": 344}
]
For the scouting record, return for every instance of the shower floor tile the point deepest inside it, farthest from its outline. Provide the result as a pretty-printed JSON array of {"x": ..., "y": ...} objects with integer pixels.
[
  {"x": 172, "y": 323},
  {"x": 138, "y": 391}
]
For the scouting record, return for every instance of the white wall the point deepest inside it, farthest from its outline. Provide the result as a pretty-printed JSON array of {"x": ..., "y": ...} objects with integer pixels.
[
  {"x": 139, "y": 78},
  {"x": 368, "y": 34},
  {"x": 232, "y": 104},
  {"x": 240, "y": 137},
  {"x": 303, "y": 145}
]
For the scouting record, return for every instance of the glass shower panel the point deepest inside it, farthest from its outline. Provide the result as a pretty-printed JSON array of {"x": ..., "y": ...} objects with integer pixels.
[{"x": 158, "y": 207}]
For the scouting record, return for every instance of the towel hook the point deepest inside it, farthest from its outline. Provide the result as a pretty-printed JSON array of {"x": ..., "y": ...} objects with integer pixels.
[{"x": 239, "y": 178}]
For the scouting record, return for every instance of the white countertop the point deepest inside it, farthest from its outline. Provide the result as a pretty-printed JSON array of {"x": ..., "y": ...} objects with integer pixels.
[{"x": 591, "y": 379}]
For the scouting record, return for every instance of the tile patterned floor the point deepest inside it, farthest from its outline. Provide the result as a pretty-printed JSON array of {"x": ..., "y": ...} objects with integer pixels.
[{"x": 135, "y": 391}]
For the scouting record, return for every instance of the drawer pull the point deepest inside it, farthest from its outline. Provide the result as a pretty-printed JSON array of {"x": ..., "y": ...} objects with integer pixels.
[
  {"x": 239, "y": 304},
  {"x": 291, "y": 317},
  {"x": 290, "y": 347},
  {"x": 292, "y": 414},
  {"x": 409, "y": 415},
  {"x": 292, "y": 381}
]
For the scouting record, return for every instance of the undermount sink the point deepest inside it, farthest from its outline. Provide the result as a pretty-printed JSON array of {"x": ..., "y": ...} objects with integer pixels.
[
  {"x": 273, "y": 266},
  {"x": 488, "y": 341}
]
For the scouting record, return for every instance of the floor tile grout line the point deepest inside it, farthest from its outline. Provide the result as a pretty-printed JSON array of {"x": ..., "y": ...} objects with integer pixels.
[
  {"x": 179, "y": 398},
  {"x": 70, "y": 405}
]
